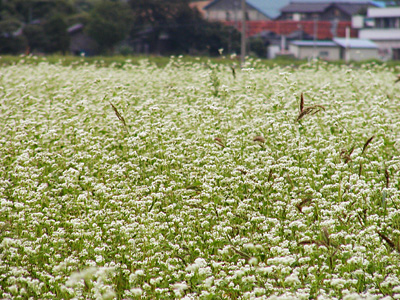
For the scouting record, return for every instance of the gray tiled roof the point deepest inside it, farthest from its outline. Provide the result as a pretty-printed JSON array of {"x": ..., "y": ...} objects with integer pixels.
[
  {"x": 342, "y": 42},
  {"x": 270, "y": 8},
  {"x": 305, "y": 7},
  {"x": 355, "y": 43},
  {"x": 349, "y": 7},
  {"x": 314, "y": 43}
]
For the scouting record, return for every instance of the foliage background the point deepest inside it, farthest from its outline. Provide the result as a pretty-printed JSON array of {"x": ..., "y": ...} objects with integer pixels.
[{"x": 41, "y": 26}]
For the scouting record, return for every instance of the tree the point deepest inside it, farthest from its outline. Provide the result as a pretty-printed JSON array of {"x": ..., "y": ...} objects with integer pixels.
[
  {"x": 158, "y": 15},
  {"x": 109, "y": 23},
  {"x": 56, "y": 31},
  {"x": 217, "y": 36},
  {"x": 157, "y": 12},
  {"x": 36, "y": 37},
  {"x": 184, "y": 30},
  {"x": 192, "y": 34},
  {"x": 29, "y": 10},
  {"x": 258, "y": 47},
  {"x": 11, "y": 41}
]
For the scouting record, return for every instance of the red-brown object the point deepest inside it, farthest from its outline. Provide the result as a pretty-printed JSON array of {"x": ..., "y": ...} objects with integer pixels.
[{"x": 324, "y": 28}]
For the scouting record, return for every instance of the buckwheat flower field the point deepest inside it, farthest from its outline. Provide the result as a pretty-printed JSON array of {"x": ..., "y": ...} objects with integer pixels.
[{"x": 186, "y": 181}]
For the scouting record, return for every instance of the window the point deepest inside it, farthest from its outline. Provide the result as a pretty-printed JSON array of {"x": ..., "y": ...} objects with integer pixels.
[
  {"x": 296, "y": 17},
  {"x": 379, "y": 23},
  {"x": 323, "y": 54},
  {"x": 388, "y": 22},
  {"x": 227, "y": 16}
]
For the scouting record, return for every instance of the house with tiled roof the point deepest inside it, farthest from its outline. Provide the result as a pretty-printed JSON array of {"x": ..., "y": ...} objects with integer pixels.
[
  {"x": 327, "y": 11},
  {"x": 256, "y": 10}
]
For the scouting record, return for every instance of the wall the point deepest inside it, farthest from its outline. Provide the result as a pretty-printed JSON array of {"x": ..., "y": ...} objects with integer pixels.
[
  {"x": 333, "y": 13},
  {"x": 304, "y": 52},
  {"x": 363, "y": 54},
  {"x": 286, "y": 27},
  {"x": 376, "y": 34},
  {"x": 234, "y": 15},
  {"x": 272, "y": 51}
]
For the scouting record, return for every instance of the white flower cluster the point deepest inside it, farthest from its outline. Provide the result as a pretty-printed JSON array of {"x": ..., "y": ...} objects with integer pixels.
[{"x": 194, "y": 184}]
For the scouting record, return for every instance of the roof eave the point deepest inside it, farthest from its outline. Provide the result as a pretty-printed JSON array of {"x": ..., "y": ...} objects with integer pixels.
[{"x": 249, "y": 4}]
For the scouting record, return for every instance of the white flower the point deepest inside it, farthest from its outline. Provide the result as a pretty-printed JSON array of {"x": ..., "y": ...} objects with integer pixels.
[
  {"x": 292, "y": 279},
  {"x": 139, "y": 272},
  {"x": 198, "y": 263},
  {"x": 253, "y": 261},
  {"x": 179, "y": 288},
  {"x": 136, "y": 291}
]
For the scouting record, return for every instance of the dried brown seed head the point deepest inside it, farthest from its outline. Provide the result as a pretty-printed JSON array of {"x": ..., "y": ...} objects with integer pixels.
[
  {"x": 119, "y": 116},
  {"x": 387, "y": 176},
  {"x": 304, "y": 202},
  {"x": 367, "y": 143},
  {"x": 219, "y": 142},
  {"x": 310, "y": 110},
  {"x": 259, "y": 138},
  {"x": 325, "y": 236},
  {"x": 301, "y": 102}
]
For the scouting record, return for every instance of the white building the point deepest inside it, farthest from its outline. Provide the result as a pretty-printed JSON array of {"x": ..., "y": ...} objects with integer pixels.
[
  {"x": 338, "y": 49},
  {"x": 357, "y": 49},
  {"x": 327, "y": 50},
  {"x": 385, "y": 30}
]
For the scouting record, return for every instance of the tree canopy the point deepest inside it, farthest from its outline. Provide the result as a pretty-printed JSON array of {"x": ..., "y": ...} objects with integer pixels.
[
  {"x": 109, "y": 23},
  {"x": 160, "y": 26}
]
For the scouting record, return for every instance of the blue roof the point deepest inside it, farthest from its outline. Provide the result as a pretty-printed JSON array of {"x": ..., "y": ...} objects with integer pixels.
[
  {"x": 382, "y": 3},
  {"x": 314, "y": 43},
  {"x": 271, "y": 8},
  {"x": 355, "y": 43},
  {"x": 332, "y": 1},
  {"x": 341, "y": 42}
]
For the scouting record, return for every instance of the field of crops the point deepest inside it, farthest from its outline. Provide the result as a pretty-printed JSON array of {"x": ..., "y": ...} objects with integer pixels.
[{"x": 193, "y": 181}]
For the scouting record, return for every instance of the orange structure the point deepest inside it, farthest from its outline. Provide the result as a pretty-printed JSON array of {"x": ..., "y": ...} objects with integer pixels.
[{"x": 323, "y": 29}]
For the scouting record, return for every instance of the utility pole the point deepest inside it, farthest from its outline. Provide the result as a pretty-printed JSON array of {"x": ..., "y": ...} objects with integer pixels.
[
  {"x": 243, "y": 34},
  {"x": 347, "y": 49},
  {"x": 315, "y": 37}
]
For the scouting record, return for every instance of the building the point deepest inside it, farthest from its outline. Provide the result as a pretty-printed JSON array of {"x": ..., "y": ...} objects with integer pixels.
[
  {"x": 337, "y": 49},
  {"x": 327, "y": 50},
  {"x": 277, "y": 44},
  {"x": 385, "y": 30},
  {"x": 256, "y": 10},
  {"x": 323, "y": 30},
  {"x": 357, "y": 49},
  {"x": 327, "y": 11}
]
